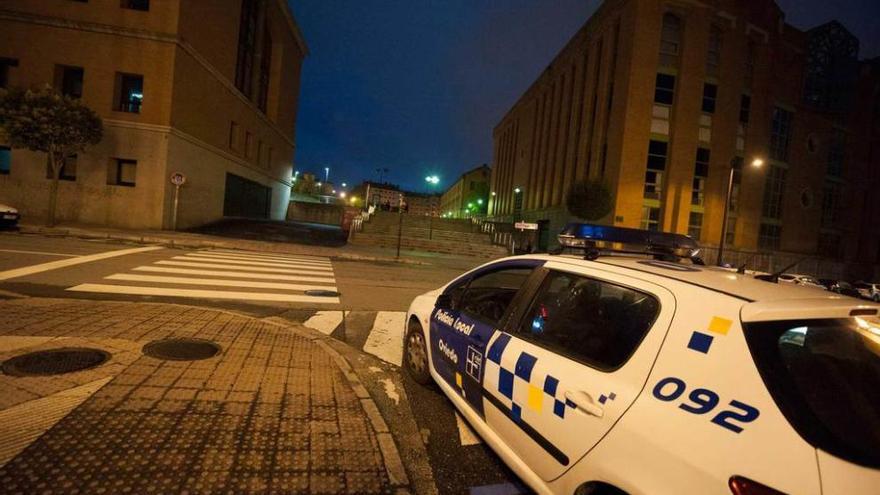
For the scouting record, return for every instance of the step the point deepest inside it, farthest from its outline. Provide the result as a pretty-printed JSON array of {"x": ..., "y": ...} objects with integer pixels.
[{"x": 437, "y": 246}]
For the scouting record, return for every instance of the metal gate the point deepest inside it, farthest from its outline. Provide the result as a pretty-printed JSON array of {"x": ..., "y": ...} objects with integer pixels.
[{"x": 246, "y": 198}]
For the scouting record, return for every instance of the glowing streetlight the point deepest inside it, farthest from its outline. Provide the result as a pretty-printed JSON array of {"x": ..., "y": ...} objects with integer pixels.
[
  {"x": 480, "y": 201},
  {"x": 342, "y": 195},
  {"x": 493, "y": 193},
  {"x": 734, "y": 163},
  {"x": 517, "y": 190},
  {"x": 432, "y": 179}
]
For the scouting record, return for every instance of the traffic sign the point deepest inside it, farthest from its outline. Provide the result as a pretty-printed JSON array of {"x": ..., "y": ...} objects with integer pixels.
[
  {"x": 526, "y": 226},
  {"x": 178, "y": 179}
]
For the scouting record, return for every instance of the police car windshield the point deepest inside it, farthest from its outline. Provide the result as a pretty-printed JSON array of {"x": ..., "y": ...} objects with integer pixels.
[{"x": 825, "y": 377}]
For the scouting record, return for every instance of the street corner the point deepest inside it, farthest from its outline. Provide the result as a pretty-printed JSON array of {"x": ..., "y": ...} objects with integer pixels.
[{"x": 141, "y": 397}]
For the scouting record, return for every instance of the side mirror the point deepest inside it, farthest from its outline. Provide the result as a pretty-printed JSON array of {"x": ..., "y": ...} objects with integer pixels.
[{"x": 444, "y": 301}]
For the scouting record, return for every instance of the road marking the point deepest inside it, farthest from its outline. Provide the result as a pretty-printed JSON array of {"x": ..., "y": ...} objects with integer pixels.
[
  {"x": 212, "y": 254},
  {"x": 202, "y": 294},
  {"x": 42, "y": 253},
  {"x": 54, "y": 265},
  {"x": 386, "y": 339},
  {"x": 250, "y": 268},
  {"x": 215, "y": 282},
  {"x": 325, "y": 321},
  {"x": 466, "y": 435},
  {"x": 259, "y": 276},
  {"x": 303, "y": 257},
  {"x": 196, "y": 257}
]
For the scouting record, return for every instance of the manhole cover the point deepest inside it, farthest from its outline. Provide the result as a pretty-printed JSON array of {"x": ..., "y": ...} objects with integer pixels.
[
  {"x": 322, "y": 293},
  {"x": 55, "y": 361},
  {"x": 181, "y": 349}
]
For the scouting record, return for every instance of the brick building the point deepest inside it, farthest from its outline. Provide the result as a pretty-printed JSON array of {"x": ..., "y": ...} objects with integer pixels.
[
  {"x": 209, "y": 89},
  {"x": 659, "y": 99},
  {"x": 471, "y": 187}
]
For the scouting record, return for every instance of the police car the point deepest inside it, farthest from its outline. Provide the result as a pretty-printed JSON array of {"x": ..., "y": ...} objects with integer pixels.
[{"x": 596, "y": 372}]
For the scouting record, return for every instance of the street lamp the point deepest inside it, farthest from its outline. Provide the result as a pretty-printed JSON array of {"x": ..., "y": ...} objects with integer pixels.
[
  {"x": 517, "y": 190},
  {"x": 756, "y": 163},
  {"x": 326, "y": 174}
]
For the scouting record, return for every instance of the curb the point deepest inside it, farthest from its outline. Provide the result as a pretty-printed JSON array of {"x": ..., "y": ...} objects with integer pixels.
[{"x": 262, "y": 246}]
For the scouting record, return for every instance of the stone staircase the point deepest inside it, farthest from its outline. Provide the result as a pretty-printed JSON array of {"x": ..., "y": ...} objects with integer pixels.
[{"x": 438, "y": 235}]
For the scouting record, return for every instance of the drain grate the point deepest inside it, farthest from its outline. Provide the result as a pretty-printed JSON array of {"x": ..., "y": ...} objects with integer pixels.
[
  {"x": 55, "y": 361},
  {"x": 322, "y": 293},
  {"x": 181, "y": 349}
]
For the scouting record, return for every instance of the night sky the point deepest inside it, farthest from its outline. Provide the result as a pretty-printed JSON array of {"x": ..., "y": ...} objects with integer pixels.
[{"x": 416, "y": 86}]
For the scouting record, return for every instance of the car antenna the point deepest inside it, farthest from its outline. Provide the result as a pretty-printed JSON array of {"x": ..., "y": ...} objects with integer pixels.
[
  {"x": 774, "y": 277},
  {"x": 742, "y": 268}
]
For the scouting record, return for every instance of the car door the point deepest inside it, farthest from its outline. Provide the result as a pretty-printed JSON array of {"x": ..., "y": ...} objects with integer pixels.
[
  {"x": 573, "y": 361},
  {"x": 467, "y": 314}
]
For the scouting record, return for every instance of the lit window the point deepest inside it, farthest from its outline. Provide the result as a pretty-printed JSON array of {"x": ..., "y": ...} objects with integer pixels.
[
  {"x": 122, "y": 172},
  {"x": 664, "y": 90},
  {"x": 710, "y": 93},
  {"x": 650, "y": 218},
  {"x": 129, "y": 92}
]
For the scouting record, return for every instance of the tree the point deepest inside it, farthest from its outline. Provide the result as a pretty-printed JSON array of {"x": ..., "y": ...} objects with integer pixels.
[
  {"x": 47, "y": 121},
  {"x": 589, "y": 199}
]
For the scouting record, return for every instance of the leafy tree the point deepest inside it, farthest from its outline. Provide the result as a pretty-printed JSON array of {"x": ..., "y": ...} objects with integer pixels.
[
  {"x": 47, "y": 121},
  {"x": 589, "y": 199}
]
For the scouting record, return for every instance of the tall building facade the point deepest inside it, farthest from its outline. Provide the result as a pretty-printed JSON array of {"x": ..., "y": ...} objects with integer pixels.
[
  {"x": 660, "y": 100},
  {"x": 471, "y": 188},
  {"x": 205, "y": 88}
]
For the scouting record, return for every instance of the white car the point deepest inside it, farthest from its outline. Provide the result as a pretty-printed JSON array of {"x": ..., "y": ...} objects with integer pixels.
[
  {"x": 798, "y": 279},
  {"x": 869, "y": 291},
  {"x": 626, "y": 374},
  {"x": 8, "y": 216}
]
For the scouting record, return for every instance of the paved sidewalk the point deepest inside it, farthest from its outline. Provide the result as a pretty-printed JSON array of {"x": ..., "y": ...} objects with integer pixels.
[
  {"x": 192, "y": 240},
  {"x": 277, "y": 411}
]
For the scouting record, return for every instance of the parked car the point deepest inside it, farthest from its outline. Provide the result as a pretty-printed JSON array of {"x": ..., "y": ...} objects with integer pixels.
[
  {"x": 8, "y": 216},
  {"x": 868, "y": 290},
  {"x": 841, "y": 287},
  {"x": 799, "y": 279},
  {"x": 603, "y": 373}
]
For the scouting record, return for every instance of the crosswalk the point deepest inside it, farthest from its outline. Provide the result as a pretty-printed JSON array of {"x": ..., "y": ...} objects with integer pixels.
[{"x": 229, "y": 275}]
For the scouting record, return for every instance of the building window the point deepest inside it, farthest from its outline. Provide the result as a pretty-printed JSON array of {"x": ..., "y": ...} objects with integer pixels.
[
  {"x": 234, "y": 131},
  {"x": 69, "y": 80},
  {"x": 129, "y": 92},
  {"x": 265, "y": 70},
  {"x": 143, "y": 5},
  {"x": 664, "y": 90},
  {"x": 701, "y": 172},
  {"x": 836, "y": 153},
  {"x": 713, "y": 56},
  {"x": 248, "y": 144},
  {"x": 769, "y": 236},
  {"x": 656, "y": 165},
  {"x": 247, "y": 41},
  {"x": 670, "y": 40},
  {"x": 5, "y": 160},
  {"x": 710, "y": 92},
  {"x": 122, "y": 172},
  {"x": 650, "y": 218},
  {"x": 774, "y": 188},
  {"x": 780, "y": 134},
  {"x": 5, "y": 64},
  {"x": 745, "y": 108},
  {"x": 68, "y": 169},
  {"x": 695, "y": 224},
  {"x": 831, "y": 195}
]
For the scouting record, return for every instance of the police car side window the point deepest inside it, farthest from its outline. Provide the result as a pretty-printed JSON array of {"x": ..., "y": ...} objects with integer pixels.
[
  {"x": 488, "y": 296},
  {"x": 596, "y": 322}
]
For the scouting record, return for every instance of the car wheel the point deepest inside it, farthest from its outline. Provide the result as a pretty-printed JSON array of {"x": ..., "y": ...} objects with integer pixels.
[{"x": 415, "y": 354}]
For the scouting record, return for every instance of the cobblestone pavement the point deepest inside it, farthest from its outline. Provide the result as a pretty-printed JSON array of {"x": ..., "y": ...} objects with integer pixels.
[{"x": 274, "y": 412}]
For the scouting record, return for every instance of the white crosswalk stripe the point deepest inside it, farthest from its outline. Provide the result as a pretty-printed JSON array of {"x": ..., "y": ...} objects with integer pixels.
[{"x": 226, "y": 275}]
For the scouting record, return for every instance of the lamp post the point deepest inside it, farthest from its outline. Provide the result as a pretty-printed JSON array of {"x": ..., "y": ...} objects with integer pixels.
[
  {"x": 757, "y": 163},
  {"x": 432, "y": 180}
]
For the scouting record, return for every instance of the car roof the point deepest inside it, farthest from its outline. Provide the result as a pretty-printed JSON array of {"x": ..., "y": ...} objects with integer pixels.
[{"x": 713, "y": 278}]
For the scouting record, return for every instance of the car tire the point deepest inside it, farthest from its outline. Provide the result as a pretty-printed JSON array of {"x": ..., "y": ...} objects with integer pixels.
[{"x": 415, "y": 354}]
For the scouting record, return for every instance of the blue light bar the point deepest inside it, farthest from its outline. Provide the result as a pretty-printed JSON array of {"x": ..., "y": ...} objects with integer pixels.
[{"x": 596, "y": 238}]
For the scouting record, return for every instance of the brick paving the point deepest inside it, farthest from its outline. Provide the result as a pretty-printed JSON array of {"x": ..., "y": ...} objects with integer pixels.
[{"x": 272, "y": 413}]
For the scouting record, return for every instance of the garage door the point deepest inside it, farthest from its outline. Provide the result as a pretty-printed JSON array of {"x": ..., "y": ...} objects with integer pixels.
[{"x": 246, "y": 198}]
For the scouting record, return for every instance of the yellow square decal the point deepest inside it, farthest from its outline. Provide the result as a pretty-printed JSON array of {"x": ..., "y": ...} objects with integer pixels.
[
  {"x": 720, "y": 325},
  {"x": 458, "y": 379},
  {"x": 536, "y": 398}
]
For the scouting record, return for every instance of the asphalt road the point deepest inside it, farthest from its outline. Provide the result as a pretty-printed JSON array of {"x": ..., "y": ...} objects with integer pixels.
[{"x": 459, "y": 464}]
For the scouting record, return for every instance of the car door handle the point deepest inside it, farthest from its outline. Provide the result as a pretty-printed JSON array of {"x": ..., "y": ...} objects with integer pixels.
[{"x": 585, "y": 403}]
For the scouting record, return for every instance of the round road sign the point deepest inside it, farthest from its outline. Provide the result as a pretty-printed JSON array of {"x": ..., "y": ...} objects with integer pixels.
[{"x": 178, "y": 179}]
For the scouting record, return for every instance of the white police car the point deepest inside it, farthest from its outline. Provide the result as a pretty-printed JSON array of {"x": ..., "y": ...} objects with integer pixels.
[{"x": 632, "y": 374}]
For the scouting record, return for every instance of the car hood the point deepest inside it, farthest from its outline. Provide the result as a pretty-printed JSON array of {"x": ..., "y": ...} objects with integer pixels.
[
  {"x": 840, "y": 477},
  {"x": 7, "y": 209}
]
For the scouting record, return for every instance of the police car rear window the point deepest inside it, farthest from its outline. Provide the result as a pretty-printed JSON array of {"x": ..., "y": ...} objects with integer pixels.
[
  {"x": 592, "y": 321},
  {"x": 824, "y": 375}
]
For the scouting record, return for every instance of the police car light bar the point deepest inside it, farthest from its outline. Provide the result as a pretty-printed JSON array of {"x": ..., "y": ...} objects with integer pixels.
[{"x": 594, "y": 239}]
